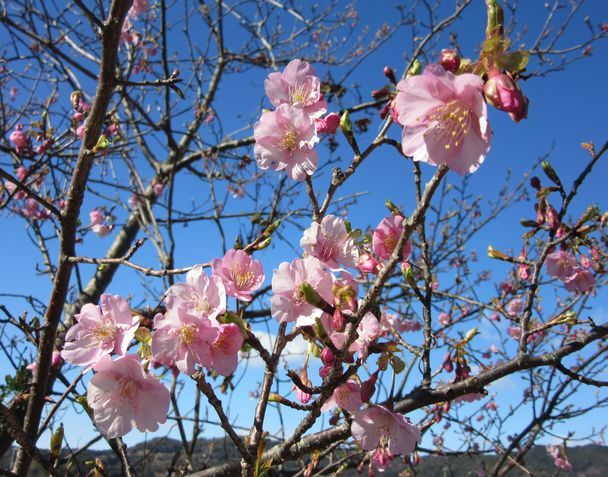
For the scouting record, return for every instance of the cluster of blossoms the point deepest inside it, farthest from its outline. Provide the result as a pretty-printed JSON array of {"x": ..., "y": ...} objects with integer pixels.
[
  {"x": 190, "y": 335},
  {"x": 306, "y": 289},
  {"x": 564, "y": 266},
  {"x": 560, "y": 459},
  {"x": 23, "y": 204},
  {"x": 285, "y": 137},
  {"x": 99, "y": 225}
]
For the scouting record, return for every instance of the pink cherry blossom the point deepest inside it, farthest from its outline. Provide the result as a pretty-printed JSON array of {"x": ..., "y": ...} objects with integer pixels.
[
  {"x": 122, "y": 396},
  {"x": 80, "y": 131},
  {"x": 330, "y": 242},
  {"x": 329, "y": 124},
  {"x": 99, "y": 331},
  {"x": 96, "y": 217},
  {"x": 201, "y": 295},
  {"x": 387, "y": 235},
  {"x": 368, "y": 331},
  {"x": 158, "y": 189},
  {"x": 31, "y": 209},
  {"x": 183, "y": 338},
  {"x": 561, "y": 264},
  {"x": 502, "y": 92},
  {"x": 376, "y": 427},
  {"x": 444, "y": 119},
  {"x": 559, "y": 458},
  {"x": 347, "y": 396},
  {"x": 580, "y": 281},
  {"x": 284, "y": 139},
  {"x": 287, "y": 302},
  {"x": 444, "y": 319},
  {"x": 225, "y": 349},
  {"x": 515, "y": 306},
  {"x": 138, "y": 8},
  {"x": 240, "y": 273},
  {"x": 22, "y": 173},
  {"x": 19, "y": 138},
  {"x": 298, "y": 85},
  {"x": 514, "y": 332}
]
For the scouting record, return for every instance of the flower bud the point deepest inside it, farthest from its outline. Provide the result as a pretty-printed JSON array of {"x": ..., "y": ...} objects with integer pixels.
[
  {"x": 337, "y": 321},
  {"x": 390, "y": 74},
  {"x": 449, "y": 59},
  {"x": 327, "y": 356},
  {"x": 368, "y": 388},
  {"x": 503, "y": 93}
]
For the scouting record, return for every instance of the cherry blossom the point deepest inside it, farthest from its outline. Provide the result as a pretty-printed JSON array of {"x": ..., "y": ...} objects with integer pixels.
[
  {"x": 444, "y": 119},
  {"x": 122, "y": 396},
  {"x": 387, "y": 235},
  {"x": 328, "y": 125},
  {"x": 200, "y": 295},
  {"x": 240, "y": 273},
  {"x": 284, "y": 139},
  {"x": 297, "y": 85},
  {"x": 377, "y": 427},
  {"x": 330, "y": 242},
  {"x": 184, "y": 338},
  {"x": 225, "y": 349},
  {"x": 100, "y": 331},
  {"x": 287, "y": 302},
  {"x": 347, "y": 396}
]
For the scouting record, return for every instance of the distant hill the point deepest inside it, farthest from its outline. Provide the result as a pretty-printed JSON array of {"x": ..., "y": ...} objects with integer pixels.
[{"x": 152, "y": 459}]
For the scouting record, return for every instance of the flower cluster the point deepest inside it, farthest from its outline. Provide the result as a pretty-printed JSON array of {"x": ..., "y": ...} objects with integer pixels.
[
  {"x": 564, "y": 266},
  {"x": 285, "y": 137},
  {"x": 190, "y": 334}
]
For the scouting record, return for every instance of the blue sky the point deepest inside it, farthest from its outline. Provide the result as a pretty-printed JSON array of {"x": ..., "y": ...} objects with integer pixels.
[{"x": 566, "y": 108}]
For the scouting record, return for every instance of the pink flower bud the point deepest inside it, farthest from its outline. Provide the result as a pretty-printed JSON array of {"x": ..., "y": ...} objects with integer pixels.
[
  {"x": 327, "y": 356},
  {"x": 368, "y": 388},
  {"x": 449, "y": 59},
  {"x": 328, "y": 125},
  {"x": 325, "y": 370},
  {"x": 337, "y": 320},
  {"x": 367, "y": 263},
  {"x": 503, "y": 93}
]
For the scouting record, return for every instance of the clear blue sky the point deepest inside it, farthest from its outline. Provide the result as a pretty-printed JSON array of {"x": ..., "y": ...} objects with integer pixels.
[{"x": 566, "y": 108}]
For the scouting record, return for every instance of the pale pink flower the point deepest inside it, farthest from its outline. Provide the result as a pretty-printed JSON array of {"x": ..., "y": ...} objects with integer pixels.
[
  {"x": 122, "y": 396},
  {"x": 369, "y": 330},
  {"x": 158, "y": 189},
  {"x": 409, "y": 325},
  {"x": 287, "y": 302},
  {"x": 514, "y": 332},
  {"x": 444, "y": 119},
  {"x": 225, "y": 349},
  {"x": 329, "y": 124},
  {"x": 31, "y": 208},
  {"x": 444, "y": 319},
  {"x": 330, "y": 242},
  {"x": 515, "y": 306},
  {"x": 134, "y": 201},
  {"x": 19, "y": 138},
  {"x": 22, "y": 173},
  {"x": 559, "y": 458},
  {"x": 347, "y": 396},
  {"x": 580, "y": 281},
  {"x": 561, "y": 264},
  {"x": 284, "y": 139},
  {"x": 376, "y": 427},
  {"x": 240, "y": 273},
  {"x": 298, "y": 85},
  {"x": 96, "y": 217},
  {"x": 201, "y": 295},
  {"x": 184, "y": 338},
  {"x": 102, "y": 230},
  {"x": 491, "y": 406},
  {"x": 387, "y": 235},
  {"x": 99, "y": 331},
  {"x": 138, "y": 8}
]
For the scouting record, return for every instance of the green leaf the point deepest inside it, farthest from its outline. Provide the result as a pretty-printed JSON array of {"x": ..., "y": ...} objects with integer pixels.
[
  {"x": 398, "y": 364},
  {"x": 513, "y": 61}
]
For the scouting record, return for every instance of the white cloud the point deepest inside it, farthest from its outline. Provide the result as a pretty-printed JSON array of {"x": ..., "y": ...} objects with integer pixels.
[{"x": 294, "y": 350}]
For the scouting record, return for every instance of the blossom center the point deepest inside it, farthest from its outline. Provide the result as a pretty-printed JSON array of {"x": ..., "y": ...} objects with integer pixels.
[
  {"x": 187, "y": 333},
  {"x": 127, "y": 389},
  {"x": 242, "y": 278},
  {"x": 105, "y": 333},
  {"x": 290, "y": 140},
  {"x": 297, "y": 94},
  {"x": 390, "y": 242},
  {"x": 453, "y": 121}
]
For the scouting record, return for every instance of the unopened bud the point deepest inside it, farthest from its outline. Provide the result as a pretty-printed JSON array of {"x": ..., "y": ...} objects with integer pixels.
[
  {"x": 390, "y": 74},
  {"x": 337, "y": 320},
  {"x": 449, "y": 59},
  {"x": 502, "y": 92},
  {"x": 368, "y": 388},
  {"x": 75, "y": 99},
  {"x": 345, "y": 124},
  {"x": 56, "y": 443},
  {"x": 535, "y": 183},
  {"x": 327, "y": 356},
  {"x": 263, "y": 244},
  {"x": 416, "y": 69}
]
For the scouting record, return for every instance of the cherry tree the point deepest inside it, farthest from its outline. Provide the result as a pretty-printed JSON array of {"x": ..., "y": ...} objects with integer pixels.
[{"x": 128, "y": 124}]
